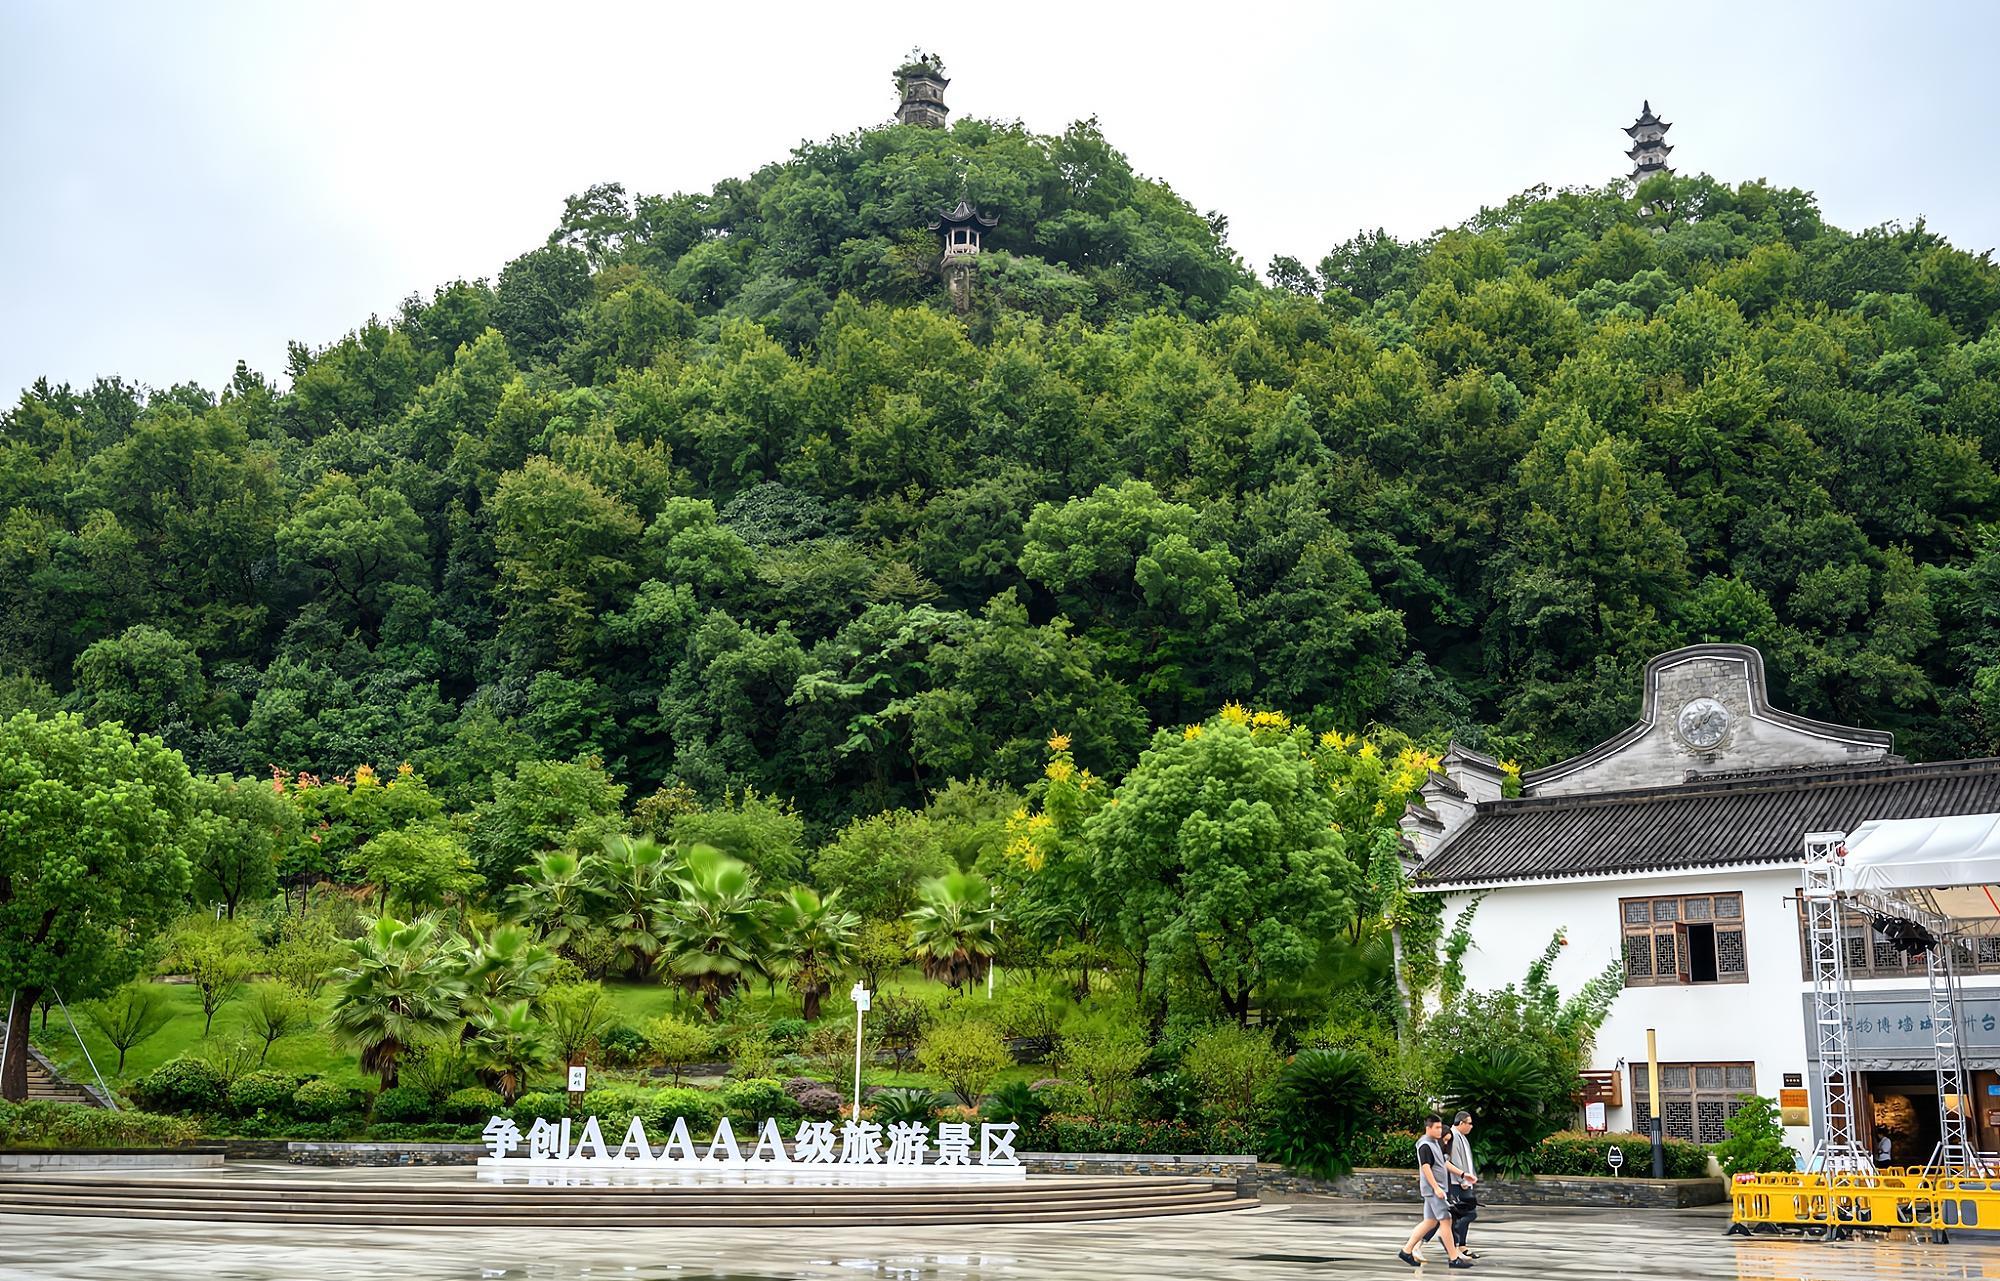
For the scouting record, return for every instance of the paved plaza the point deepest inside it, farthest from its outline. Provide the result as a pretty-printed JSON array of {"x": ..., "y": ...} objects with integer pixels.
[{"x": 1303, "y": 1239}]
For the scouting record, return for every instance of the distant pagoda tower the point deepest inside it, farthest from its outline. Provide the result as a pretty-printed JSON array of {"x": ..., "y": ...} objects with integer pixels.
[
  {"x": 959, "y": 231},
  {"x": 920, "y": 81},
  {"x": 1649, "y": 145}
]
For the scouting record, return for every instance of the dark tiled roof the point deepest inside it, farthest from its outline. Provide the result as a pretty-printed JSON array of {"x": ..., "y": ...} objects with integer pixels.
[{"x": 1745, "y": 818}]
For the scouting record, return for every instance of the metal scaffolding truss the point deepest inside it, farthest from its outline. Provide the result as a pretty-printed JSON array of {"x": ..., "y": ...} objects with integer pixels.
[{"x": 1840, "y": 1147}]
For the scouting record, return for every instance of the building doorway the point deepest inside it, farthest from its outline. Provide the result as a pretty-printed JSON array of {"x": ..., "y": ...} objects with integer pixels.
[{"x": 1902, "y": 1107}]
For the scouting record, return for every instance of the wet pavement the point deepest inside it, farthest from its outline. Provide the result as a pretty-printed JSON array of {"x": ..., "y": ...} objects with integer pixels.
[{"x": 1316, "y": 1239}]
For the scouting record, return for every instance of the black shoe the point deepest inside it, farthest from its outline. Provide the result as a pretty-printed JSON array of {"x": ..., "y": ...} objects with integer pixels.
[
  {"x": 1461, "y": 1262},
  {"x": 1404, "y": 1255},
  {"x": 1464, "y": 1253}
]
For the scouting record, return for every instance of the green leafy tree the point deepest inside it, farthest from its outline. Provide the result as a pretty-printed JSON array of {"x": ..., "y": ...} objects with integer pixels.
[
  {"x": 1755, "y": 1142},
  {"x": 215, "y": 958},
  {"x": 969, "y": 1055},
  {"x": 131, "y": 1016},
  {"x": 398, "y": 988},
  {"x": 146, "y": 679},
  {"x": 678, "y": 1042},
  {"x": 243, "y": 829},
  {"x": 93, "y": 825},
  {"x": 577, "y": 1015},
  {"x": 277, "y": 1011},
  {"x": 417, "y": 867},
  {"x": 634, "y": 880},
  {"x": 876, "y": 863},
  {"x": 357, "y": 539},
  {"x": 1218, "y": 862}
]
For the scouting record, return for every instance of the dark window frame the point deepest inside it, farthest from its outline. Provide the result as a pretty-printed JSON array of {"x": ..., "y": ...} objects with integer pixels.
[
  {"x": 1691, "y": 1109},
  {"x": 1666, "y": 922}
]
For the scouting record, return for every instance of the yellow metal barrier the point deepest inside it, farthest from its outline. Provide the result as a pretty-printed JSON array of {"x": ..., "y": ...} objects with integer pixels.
[{"x": 1829, "y": 1205}]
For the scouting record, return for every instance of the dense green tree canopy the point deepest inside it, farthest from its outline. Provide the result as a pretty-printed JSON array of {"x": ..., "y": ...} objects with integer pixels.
[
  {"x": 717, "y": 492},
  {"x": 94, "y": 826}
]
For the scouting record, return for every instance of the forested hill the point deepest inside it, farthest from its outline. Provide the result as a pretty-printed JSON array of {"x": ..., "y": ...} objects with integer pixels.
[{"x": 718, "y": 488}]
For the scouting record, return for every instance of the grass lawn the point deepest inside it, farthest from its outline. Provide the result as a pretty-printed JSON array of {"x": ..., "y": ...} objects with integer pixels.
[
  {"x": 312, "y": 1052},
  {"x": 307, "y": 1052}
]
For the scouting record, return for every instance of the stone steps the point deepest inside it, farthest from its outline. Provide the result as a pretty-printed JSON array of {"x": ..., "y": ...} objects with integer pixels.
[
  {"x": 339, "y": 1203},
  {"x": 44, "y": 1084}
]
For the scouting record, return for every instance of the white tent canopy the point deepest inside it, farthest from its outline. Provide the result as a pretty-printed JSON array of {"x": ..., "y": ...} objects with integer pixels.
[{"x": 1946, "y": 867}]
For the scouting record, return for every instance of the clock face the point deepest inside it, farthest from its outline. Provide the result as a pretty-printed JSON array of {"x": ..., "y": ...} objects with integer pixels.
[{"x": 1703, "y": 721}]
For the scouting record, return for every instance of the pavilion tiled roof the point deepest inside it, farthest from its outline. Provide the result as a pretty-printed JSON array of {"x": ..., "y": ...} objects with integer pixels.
[{"x": 1726, "y": 820}]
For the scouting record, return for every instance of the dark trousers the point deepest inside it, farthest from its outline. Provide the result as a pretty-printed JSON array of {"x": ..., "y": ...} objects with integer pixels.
[{"x": 1460, "y": 1221}]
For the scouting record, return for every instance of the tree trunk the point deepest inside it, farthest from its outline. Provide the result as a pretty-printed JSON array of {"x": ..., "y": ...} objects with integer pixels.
[
  {"x": 812, "y": 1004},
  {"x": 1403, "y": 1011},
  {"x": 14, "y": 1070}
]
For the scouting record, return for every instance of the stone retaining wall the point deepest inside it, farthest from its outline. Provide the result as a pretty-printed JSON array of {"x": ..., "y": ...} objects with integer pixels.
[
  {"x": 1106, "y": 1163},
  {"x": 111, "y": 1159},
  {"x": 372, "y": 1154},
  {"x": 1543, "y": 1189}
]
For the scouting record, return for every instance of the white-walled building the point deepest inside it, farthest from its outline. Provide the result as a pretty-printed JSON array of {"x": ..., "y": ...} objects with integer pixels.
[{"x": 1676, "y": 847}]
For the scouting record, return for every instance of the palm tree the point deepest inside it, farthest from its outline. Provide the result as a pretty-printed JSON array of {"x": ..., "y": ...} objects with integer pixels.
[
  {"x": 814, "y": 942},
  {"x": 507, "y": 1042},
  {"x": 954, "y": 929},
  {"x": 554, "y": 896},
  {"x": 400, "y": 987},
  {"x": 714, "y": 934},
  {"x": 509, "y": 964},
  {"x": 632, "y": 876}
]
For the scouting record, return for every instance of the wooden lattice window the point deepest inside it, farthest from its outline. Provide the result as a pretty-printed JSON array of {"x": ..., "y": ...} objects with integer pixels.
[
  {"x": 1689, "y": 938},
  {"x": 1696, "y": 1099}
]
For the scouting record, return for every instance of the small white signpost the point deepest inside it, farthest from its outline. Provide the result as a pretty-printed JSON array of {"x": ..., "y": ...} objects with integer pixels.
[
  {"x": 1615, "y": 1158},
  {"x": 577, "y": 1077},
  {"x": 860, "y": 995}
]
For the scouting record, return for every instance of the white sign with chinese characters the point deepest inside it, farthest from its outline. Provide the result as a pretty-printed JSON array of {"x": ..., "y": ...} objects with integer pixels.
[{"x": 856, "y": 1151}]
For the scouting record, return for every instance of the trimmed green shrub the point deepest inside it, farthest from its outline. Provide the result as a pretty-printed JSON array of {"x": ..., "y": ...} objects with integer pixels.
[
  {"x": 913, "y": 1107},
  {"x": 404, "y": 1103},
  {"x": 474, "y": 1103},
  {"x": 623, "y": 1046},
  {"x": 1319, "y": 1103},
  {"x": 702, "y": 1108},
  {"x": 788, "y": 1034},
  {"x": 40, "y": 1123},
  {"x": 323, "y": 1100},
  {"x": 1508, "y": 1092},
  {"x": 540, "y": 1105},
  {"x": 185, "y": 1085},
  {"x": 1146, "y": 1138},
  {"x": 269, "y": 1092},
  {"x": 749, "y": 1102}
]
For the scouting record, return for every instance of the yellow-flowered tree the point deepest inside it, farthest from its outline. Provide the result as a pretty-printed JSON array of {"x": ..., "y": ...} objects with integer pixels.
[
  {"x": 1045, "y": 877},
  {"x": 1372, "y": 778}
]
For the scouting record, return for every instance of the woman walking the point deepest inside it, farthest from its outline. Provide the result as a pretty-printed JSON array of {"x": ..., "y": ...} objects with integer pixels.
[{"x": 1433, "y": 1177}]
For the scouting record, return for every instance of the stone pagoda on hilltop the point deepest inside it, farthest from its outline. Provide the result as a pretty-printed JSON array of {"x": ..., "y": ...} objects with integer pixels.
[
  {"x": 920, "y": 81},
  {"x": 960, "y": 229},
  {"x": 1649, "y": 145}
]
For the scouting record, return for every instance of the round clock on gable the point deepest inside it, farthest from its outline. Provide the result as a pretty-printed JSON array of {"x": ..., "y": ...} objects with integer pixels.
[{"x": 1703, "y": 722}]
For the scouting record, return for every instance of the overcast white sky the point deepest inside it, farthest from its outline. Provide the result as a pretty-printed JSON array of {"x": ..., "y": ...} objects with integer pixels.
[{"x": 189, "y": 184}]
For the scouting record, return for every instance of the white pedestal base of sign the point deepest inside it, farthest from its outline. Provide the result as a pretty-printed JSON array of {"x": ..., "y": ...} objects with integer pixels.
[{"x": 554, "y": 1173}]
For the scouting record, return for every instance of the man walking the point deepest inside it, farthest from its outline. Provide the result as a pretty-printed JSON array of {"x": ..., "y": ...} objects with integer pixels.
[
  {"x": 1433, "y": 1180},
  {"x": 1460, "y": 1177}
]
